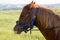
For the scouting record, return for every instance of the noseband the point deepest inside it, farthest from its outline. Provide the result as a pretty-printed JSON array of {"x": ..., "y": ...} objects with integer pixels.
[{"x": 31, "y": 24}]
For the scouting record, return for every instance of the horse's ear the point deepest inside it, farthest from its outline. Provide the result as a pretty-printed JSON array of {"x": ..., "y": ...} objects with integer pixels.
[{"x": 34, "y": 2}]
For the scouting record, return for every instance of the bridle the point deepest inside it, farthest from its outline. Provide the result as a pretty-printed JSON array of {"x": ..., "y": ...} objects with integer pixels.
[{"x": 31, "y": 24}]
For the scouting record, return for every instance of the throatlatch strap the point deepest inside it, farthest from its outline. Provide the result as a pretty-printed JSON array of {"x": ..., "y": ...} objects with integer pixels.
[{"x": 33, "y": 19}]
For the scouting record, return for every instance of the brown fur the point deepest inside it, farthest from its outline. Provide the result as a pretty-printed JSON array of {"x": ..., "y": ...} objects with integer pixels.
[{"x": 46, "y": 21}]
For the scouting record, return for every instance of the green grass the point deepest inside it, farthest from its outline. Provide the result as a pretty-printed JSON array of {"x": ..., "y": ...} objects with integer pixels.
[{"x": 7, "y": 23}]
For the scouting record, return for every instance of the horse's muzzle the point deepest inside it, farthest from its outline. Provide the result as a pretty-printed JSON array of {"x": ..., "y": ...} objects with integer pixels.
[{"x": 17, "y": 32}]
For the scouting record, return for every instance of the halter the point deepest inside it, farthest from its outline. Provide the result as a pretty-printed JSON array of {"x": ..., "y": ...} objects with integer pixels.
[{"x": 30, "y": 24}]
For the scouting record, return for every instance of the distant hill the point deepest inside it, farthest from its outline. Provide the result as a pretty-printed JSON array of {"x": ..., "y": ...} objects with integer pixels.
[
  {"x": 52, "y": 5},
  {"x": 20, "y": 6},
  {"x": 9, "y": 7}
]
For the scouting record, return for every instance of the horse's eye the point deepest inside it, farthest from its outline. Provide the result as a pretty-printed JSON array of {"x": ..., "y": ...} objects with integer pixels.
[{"x": 28, "y": 9}]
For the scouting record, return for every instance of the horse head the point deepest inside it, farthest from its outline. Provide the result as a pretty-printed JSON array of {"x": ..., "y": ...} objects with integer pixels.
[{"x": 26, "y": 19}]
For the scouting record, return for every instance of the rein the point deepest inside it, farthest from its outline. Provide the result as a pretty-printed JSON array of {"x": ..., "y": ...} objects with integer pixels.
[{"x": 31, "y": 24}]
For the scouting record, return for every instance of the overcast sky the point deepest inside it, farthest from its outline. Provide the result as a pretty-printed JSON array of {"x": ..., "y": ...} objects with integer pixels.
[{"x": 28, "y": 1}]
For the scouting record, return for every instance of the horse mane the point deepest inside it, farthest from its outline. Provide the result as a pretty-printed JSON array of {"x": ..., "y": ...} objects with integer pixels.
[{"x": 48, "y": 17}]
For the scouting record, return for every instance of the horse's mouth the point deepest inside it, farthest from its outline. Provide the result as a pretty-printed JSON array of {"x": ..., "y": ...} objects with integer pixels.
[{"x": 17, "y": 32}]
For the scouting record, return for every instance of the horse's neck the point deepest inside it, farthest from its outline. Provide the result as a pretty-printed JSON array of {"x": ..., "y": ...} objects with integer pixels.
[
  {"x": 41, "y": 26},
  {"x": 47, "y": 19},
  {"x": 41, "y": 18}
]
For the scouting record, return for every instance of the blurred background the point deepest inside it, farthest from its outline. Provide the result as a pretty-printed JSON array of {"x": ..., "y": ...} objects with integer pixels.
[
  {"x": 19, "y": 4},
  {"x": 10, "y": 11}
]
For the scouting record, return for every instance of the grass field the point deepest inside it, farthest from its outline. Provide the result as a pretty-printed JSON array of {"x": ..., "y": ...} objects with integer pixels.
[{"x": 7, "y": 22}]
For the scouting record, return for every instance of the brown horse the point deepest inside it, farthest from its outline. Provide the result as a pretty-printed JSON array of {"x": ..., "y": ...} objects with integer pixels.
[{"x": 45, "y": 20}]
